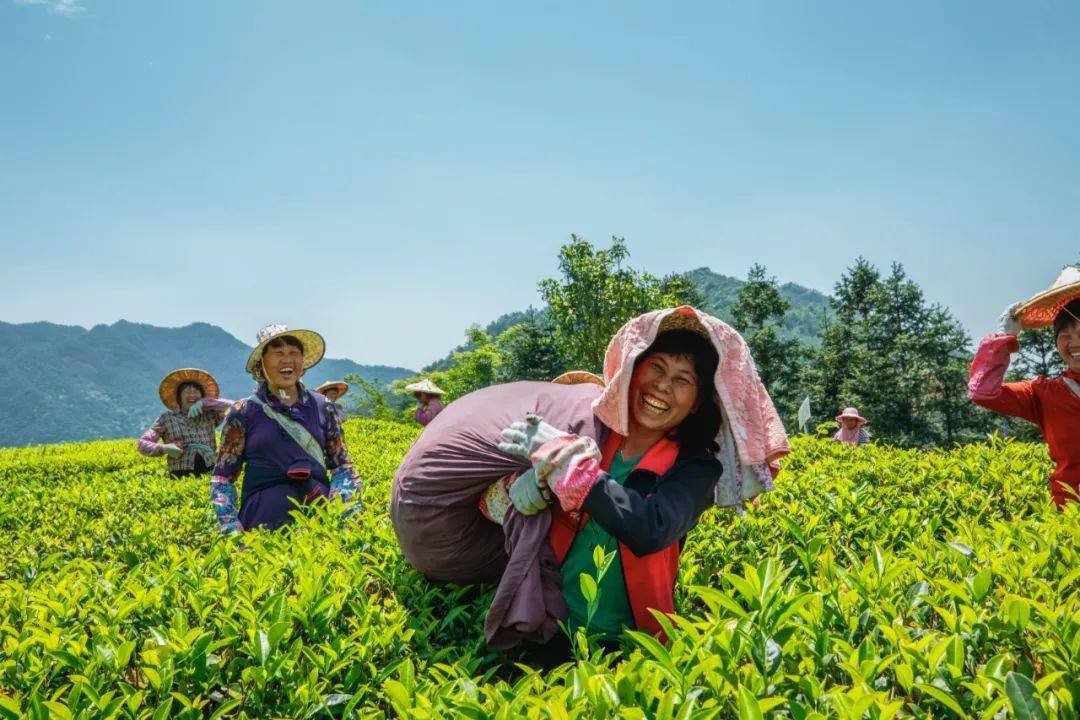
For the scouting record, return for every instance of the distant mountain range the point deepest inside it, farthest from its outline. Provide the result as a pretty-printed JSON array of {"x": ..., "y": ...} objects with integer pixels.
[
  {"x": 68, "y": 383},
  {"x": 805, "y": 320}
]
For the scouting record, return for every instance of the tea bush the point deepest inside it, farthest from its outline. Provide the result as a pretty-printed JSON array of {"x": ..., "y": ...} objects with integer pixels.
[{"x": 875, "y": 583}]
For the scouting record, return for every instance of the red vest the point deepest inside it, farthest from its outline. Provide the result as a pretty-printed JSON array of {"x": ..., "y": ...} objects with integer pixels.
[{"x": 650, "y": 580}]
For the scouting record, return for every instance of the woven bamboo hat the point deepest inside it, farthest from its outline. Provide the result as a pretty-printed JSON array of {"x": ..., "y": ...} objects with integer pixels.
[
  {"x": 1041, "y": 310},
  {"x": 314, "y": 345},
  {"x": 167, "y": 389},
  {"x": 579, "y": 377},
  {"x": 339, "y": 385},
  {"x": 424, "y": 386},
  {"x": 683, "y": 318}
]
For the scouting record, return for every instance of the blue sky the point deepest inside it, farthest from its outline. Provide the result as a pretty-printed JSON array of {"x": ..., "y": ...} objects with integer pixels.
[{"x": 388, "y": 173}]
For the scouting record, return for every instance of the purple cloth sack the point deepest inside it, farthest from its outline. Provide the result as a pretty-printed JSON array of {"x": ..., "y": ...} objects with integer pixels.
[{"x": 438, "y": 485}]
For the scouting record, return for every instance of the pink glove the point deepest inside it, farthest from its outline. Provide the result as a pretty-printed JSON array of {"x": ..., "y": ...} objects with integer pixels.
[
  {"x": 990, "y": 365},
  {"x": 570, "y": 466}
]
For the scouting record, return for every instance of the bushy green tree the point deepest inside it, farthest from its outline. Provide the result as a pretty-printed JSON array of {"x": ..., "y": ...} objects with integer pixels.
[
  {"x": 1038, "y": 355},
  {"x": 901, "y": 360},
  {"x": 471, "y": 369},
  {"x": 597, "y": 293},
  {"x": 759, "y": 314},
  {"x": 530, "y": 351},
  {"x": 373, "y": 402}
]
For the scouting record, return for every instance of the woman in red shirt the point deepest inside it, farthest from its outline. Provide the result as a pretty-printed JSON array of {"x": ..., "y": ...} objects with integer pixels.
[{"x": 1053, "y": 404}]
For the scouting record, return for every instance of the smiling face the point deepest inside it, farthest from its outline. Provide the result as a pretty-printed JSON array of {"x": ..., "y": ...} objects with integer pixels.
[
  {"x": 332, "y": 394},
  {"x": 850, "y": 423},
  {"x": 283, "y": 363},
  {"x": 189, "y": 394},
  {"x": 1068, "y": 344},
  {"x": 663, "y": 392}
]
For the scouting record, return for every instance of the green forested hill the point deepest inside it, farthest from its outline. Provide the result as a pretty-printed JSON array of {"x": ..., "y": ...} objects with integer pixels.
[
  {"x": 68, "y": 383},
  {"x": 805, "y": 320},
  {"x": 719, "y": 293}
]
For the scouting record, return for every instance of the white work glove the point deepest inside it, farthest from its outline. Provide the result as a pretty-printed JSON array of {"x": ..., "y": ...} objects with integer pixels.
[
  {"x": 527, "y": 495},
  {"x": 195, "y": 410},
  {"x": 524, "y": 438},
  {"x": 172, "y": 449},
  {"x": 1009, "y": 322}
]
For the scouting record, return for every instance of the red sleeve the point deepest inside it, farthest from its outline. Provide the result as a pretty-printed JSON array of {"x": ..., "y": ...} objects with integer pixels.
[{"x": 985, "y": 386}]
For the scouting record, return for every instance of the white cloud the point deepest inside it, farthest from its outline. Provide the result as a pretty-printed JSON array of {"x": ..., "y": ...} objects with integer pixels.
[{"x": 57, "y": 7}]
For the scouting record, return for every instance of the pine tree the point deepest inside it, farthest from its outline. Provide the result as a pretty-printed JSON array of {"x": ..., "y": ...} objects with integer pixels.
[
  {"x": 758, "y": 314},
  {"x": 900, "y": 360}
]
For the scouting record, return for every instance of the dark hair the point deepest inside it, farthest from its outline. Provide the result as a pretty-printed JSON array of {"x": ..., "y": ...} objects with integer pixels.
[
  {"x": 698, "y": 431},
  {"x": 283, "y": 340},
  {"x": 1064, "y": 320},
  {"x": 186, "y": 384}
]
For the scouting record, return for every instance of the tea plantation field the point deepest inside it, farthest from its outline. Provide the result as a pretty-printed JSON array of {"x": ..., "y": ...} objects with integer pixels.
[{"x": 875, "y": 583}]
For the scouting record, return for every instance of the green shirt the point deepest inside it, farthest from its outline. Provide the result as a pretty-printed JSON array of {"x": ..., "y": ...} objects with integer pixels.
[{"x": 613, "y": 614}]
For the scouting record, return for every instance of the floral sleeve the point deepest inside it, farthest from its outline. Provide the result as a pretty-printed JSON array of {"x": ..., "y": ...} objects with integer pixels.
[
  {"x": 344, "y": 483},
  {"x": 230, "y": 462},
  {"x": 233, "y": 435}
]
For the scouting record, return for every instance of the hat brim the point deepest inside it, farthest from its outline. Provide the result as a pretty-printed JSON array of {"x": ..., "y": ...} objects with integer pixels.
[
  {"x": 683, "y": 318},
  {"x": 1042, "y": 309},
  {"x": 341, "y": 387},
  {"x": 314, "y": 348},
  {"x": 578, "y": 377},
  {"x": 169, "y": 384},
  {"x": 422, "y": 388},
  {"x": 862, "y": 420}
]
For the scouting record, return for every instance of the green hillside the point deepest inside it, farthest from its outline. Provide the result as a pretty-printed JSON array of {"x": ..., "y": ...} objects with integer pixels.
[
  {"x": 69, "y": 383},
  {"x": 805, "y": 319},
  {"x": 874, "y": 583}
]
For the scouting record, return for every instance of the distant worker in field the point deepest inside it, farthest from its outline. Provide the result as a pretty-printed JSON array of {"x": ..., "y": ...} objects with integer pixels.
[
  {"x": 1053, "y": 404},
  {"x": 428, "y": 400},
  {"x": 628, "y": 462},
  {"x": 285, "y": 438},
  {"x": 185, "y": 434},
  {"x": 334, "y": 391},
  {"x": 851, "y": 430}
]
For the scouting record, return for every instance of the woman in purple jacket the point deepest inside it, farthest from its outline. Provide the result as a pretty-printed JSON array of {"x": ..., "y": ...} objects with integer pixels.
[{"x": 285, "y": 438}]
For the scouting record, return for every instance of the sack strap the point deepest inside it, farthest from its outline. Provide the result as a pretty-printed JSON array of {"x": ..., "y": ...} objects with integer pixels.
[{"x": 296, "y": 431}]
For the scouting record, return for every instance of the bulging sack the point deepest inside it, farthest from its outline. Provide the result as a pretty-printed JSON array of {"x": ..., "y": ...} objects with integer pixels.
[
  {"x": 435, "y": 512},
  {"x": 436, "y": 489}
]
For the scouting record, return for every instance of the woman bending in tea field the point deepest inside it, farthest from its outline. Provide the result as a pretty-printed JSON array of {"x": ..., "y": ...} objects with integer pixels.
[
  {"x": 638, "y": 491},
  {"x": 683, "y": 423},
  {"x": 285, "y": 438},
  {"x": 186, "y": 431},
  {"x": 1053, "y": 404}
]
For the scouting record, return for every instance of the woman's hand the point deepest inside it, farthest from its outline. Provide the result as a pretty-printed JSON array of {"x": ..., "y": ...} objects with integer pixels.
[
  {"x": 527, "y": 495},
  {"x": 570, "y": 466},
  {"x": 1009, "y": 322},
  {"x": 172, "y": 450},
  {"x": 524, "y": 438}
]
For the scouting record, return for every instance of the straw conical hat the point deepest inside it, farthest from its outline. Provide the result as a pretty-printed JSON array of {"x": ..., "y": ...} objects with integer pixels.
[
  {"x": 341, "y": 386},
  {"x": 167, "y": 388},
  {"x": 1041, "y": 310},
  {"x": 579, "y": 377},
  {"x": 314, "y": 345},
  {"x": 424, "y": 386}
]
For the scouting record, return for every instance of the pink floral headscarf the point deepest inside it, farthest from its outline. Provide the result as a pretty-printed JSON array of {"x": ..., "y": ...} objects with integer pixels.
[{"x": 752, "y": 438}]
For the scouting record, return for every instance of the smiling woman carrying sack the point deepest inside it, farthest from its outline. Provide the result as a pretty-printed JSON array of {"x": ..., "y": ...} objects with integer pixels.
[{"x": 286, "y": 438}]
